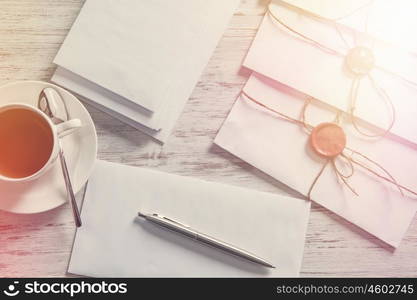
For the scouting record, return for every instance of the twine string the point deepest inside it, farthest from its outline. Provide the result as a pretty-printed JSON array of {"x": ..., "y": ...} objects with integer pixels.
[
  {"x": 306, "y": 38},
  {"x": 303, "y": 115},
  {"x": 316, "y": 179},
  {"x": 389, "y": 177},
  {"x": 369, "y": 3},
  {"x": 351, "y": 161},
  {"x": 351, "y": 167},
  {"x": 281, "y": 115},
  {"x": 356, "y": 81},
  {"x": 342, "y": 37},
  {"x": 383, "y": 95},
  {"x": 343, "y": 177}
]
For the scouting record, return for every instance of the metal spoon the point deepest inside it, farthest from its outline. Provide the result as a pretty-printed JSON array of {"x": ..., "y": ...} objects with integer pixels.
[{"x": 49, "y": 103}]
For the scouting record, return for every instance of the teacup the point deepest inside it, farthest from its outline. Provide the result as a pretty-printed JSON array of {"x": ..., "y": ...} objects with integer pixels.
[{"x": 29, "y": 141}]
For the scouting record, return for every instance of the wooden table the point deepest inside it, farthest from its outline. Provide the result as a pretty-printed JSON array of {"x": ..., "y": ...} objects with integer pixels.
[{"x": 31, "y": 32}]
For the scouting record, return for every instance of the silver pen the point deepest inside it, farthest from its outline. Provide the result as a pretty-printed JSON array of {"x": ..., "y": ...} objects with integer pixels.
[{"x": 208, "y": 240}]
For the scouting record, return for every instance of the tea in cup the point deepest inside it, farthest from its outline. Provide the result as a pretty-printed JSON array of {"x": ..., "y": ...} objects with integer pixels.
[{"x": 29, "y": 141}]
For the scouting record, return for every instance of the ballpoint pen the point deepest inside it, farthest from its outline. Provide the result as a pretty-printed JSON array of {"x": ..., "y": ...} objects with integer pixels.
[{"x": 198, "y": 236}]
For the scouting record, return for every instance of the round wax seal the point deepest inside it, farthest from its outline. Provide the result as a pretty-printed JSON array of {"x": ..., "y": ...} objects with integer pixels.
[
  {"x": 328, "y": 139},
  {"x": 360, "y": 60}
]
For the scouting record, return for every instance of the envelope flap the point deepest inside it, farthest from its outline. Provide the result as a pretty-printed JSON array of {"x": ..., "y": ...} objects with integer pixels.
[{"x": 328, "y": 8}]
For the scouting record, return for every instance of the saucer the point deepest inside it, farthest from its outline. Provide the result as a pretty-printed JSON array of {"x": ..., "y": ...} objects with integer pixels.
[{"x": 80, "y": 148}]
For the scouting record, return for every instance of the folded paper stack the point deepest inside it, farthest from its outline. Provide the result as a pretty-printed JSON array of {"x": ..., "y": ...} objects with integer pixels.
[
  {"x": 140, "y": 60},
  {"x": 330, "y": 111}
]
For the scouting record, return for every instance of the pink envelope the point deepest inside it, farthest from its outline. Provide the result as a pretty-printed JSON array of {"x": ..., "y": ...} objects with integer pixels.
[
  {"x": 281, "y": 149},
  {"x": 284, "y": 56},
  {"x": 393, "y": 21}
]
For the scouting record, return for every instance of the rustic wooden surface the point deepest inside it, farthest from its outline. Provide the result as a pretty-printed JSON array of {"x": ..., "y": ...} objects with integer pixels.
[{"x": 31, "y": 32}]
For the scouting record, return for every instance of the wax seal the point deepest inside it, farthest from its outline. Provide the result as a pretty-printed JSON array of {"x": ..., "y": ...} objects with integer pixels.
[
  {"x": 360, "y": 60},
  {"x": 328, "y": 139}
]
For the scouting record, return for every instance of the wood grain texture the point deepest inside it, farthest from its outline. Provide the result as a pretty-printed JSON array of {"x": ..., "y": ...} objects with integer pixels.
[{"x": 31, "y": 32}]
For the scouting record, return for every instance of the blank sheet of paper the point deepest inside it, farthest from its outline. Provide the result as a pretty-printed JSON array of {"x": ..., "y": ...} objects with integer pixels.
[
  {"x": 149, "y": 52},
  {"x": 113, "y": 243}
]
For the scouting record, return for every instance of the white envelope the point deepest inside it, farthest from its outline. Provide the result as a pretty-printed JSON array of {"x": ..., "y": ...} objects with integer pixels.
[
  {"x": 145, "y": 51},
  {"x": 119, "y": 108},
  {"x": 281, "y": 149},
  {"x": 393, "y": 21},
  {"x": 112, "y": 243},
  {"x": 285, "y": 57}
]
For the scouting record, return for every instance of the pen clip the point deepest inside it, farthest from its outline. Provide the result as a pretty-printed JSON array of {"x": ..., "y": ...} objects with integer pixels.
[{"x": 171, "y": 220}]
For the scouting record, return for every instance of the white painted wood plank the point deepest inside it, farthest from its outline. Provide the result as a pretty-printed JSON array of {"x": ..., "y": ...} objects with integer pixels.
[{"x": 31, "y": 32}]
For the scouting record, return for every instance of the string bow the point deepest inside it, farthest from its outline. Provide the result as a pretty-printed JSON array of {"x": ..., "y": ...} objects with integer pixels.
[
  {"x": 328, "y": 140},
  {"x": 359, "y": 60}
]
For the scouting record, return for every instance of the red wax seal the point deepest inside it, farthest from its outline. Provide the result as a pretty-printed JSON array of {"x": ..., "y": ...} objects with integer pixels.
[{"x": 328, "y": 139}]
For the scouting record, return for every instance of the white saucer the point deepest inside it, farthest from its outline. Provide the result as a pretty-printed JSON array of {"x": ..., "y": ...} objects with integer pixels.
[{"x": 80, "y": 150}]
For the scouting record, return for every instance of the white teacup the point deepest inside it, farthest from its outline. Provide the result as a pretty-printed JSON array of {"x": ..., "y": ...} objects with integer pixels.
[{"x": 15, "y": 128}]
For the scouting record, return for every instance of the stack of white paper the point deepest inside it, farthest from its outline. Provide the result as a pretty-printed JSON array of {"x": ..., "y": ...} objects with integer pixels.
[
  {"x": 113, "y": 243},
  {"x": 290, "y": 68},
  {"x": 140, "y": 60}
]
